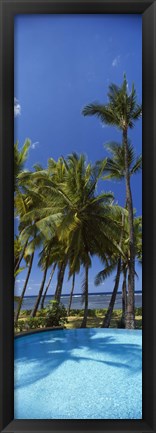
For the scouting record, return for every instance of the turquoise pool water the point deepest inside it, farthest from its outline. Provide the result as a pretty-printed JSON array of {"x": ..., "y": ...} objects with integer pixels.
[{"x": 79, "y": 374}]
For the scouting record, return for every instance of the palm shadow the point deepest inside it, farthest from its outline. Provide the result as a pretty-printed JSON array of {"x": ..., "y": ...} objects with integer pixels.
[{"x": 42, "y": 356}]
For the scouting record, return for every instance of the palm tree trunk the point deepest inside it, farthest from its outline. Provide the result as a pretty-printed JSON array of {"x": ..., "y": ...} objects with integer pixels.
[
  {"x": 107, "y": 318},
  {"x": 61, "y": 273},
  {"x": 124, "y": 298},
  {"x": 34, "y": 311},
  {"x": 84, "y": 321},
  {"x": 71, "y": 294},
  {"x": 18, "y": 262},
  {"x": 130, "y": 313},
  {"x": 24, "y": 289},
  {"x": 46, "y": 290}
]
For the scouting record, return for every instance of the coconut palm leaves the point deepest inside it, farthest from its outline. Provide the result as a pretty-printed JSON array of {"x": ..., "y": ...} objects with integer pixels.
[
  {"x": 20, "y": 157},
  {"x": 62, "y": 207},
  {"x": 122, "y": 110},
  {"x": 115, "y": 166}
]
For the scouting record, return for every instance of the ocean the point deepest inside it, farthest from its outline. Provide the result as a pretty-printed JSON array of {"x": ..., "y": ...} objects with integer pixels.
[{"x": 96, "y": 301}]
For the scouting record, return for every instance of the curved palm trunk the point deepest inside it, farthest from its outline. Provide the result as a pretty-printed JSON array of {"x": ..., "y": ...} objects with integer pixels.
[
  {"x": 124, "y": 297},
  {"x": 130, "y": 313},
  {"x": 18, "y": 262},
  {"x": 71, "y": 294},
  {"x": 61, "y": 273},
  {"x": 84, "y": 321},
  {"x": 34, "y": 311},
  {"x": 107, "y": 318},
  {"x": 46, "y": 290},
  {"x": 24, "y": 289}
]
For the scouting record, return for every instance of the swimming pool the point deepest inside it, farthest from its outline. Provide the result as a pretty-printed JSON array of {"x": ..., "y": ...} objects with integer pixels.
[{"x": 79, "y": 374}]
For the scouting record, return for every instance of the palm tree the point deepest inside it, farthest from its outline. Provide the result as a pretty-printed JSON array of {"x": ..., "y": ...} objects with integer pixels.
[
  {"x": 19, "y": 251},
  {"x": 124, "y": 294},
  {"x": 48, "y": 284},
  {"x": 89, "y": 225},
  {"x": 71, "y": 293},
  {"x": 114, "y": 262},
  {"x": 67, "y": 211},
  {"x": 44, "y": 261},
  {"x": 60, "y": 278},
  {"x": 122, "y": 111},
  {"x": 20, "y": 299},
  {"x": 43, "y": 213},
  {"x": 20, "y": 157},
  {"x": 107, "y": 318},
  {"x": 115, "y": 169},
  {"x": 121, "y": 263},
  {"x": 126, "y": 259}
]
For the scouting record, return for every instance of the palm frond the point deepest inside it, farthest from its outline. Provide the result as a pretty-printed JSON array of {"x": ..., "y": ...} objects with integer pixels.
[{"x": 105, "y": 273}]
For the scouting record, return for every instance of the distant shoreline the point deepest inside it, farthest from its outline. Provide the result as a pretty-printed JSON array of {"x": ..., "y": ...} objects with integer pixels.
[{"x": 80, "y": 294}]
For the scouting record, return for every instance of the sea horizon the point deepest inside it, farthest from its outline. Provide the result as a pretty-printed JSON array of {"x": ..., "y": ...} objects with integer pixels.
[
  {"x": 80, "y": 294},
  {"x": 95, "y": 300}
]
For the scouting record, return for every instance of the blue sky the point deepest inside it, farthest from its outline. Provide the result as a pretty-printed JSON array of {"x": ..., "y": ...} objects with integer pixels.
[{"x": 63, "y": 62}]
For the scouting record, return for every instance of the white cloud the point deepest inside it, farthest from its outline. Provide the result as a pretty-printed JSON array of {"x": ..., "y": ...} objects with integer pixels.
[
  {"x": 34, "y": 145},
  {"x": 116, "y": 61},
  {"x": 17, "y": 108}
]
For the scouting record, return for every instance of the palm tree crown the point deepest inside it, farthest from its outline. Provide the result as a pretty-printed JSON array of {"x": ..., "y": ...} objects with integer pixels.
[{"x": 122, "y": 110}]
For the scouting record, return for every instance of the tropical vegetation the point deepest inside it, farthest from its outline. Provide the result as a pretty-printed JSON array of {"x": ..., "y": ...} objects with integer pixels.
[{"x": 65, "y": 221}]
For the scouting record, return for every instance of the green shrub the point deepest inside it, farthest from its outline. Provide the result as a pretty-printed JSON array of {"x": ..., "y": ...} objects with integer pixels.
[
  {"x": 56, "y": 314},
  {"x": 20, "y": 326},
  {"x": 35, "y": 322},
  {"x": 42, "y": 313},
  {"x": 31, "y": 323}
]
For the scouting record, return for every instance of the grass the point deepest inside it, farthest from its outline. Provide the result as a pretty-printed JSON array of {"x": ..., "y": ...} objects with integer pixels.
[
  {"x": 95, "y": 321},
  {"x": 95, "y": 318}
]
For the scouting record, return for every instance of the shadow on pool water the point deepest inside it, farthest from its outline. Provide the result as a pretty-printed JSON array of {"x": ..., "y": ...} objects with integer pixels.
[{"x": 46, "y": 352}]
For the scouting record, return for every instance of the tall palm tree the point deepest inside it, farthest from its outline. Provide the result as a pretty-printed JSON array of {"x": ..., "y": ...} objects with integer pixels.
[{"x": 122, "y": 111}]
